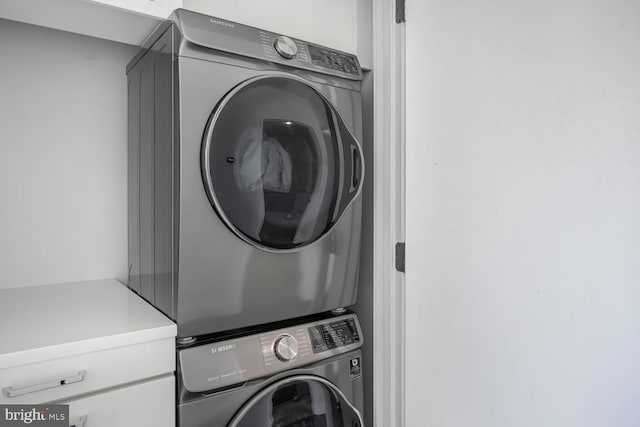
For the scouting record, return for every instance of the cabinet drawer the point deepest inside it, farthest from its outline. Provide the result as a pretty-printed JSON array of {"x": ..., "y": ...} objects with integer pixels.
[
  {"x": 147, "y": 404},
  {"x": 59, "y": 379}
]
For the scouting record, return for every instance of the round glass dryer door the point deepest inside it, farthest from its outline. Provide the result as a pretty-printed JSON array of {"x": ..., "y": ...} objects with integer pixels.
[
  {"x": 279, "y": 164},
  {"x": 302, "y": 401}
]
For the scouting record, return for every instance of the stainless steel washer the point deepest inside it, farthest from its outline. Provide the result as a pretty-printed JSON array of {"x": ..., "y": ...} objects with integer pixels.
[
  {"x": 245, "y": 172},
  {"x": 301, "y": 375}
]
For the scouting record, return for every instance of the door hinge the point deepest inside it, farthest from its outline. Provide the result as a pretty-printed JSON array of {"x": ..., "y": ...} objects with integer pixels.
[
  {"x": 400, "y": 17},
  {"x": 400, "y": 257}
]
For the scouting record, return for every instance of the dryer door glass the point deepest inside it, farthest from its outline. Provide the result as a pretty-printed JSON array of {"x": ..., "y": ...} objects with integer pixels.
[
  {"x": 279, "y": 164},
  {"x": 299, "y": 402}
]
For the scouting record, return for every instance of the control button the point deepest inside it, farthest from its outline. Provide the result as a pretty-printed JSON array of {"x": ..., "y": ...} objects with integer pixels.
[
  {"x": 285, "y": 47},
  {"x": 286, "y": 348}
]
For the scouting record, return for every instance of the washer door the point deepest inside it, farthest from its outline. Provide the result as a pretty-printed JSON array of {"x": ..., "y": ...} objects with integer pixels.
[
  {"x": 279, "y": 165},
  {"x": 300, "y": 401}
]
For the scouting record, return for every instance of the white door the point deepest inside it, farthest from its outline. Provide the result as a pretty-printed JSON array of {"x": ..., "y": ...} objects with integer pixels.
[{"x": 522, "y": 213}]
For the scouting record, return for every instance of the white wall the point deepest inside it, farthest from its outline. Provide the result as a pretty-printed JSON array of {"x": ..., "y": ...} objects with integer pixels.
[
  {"x": 523, "y": 213},
  {"x": 63, "y": 166}
]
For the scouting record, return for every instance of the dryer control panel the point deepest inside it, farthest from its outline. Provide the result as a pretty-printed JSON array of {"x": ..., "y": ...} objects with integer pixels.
[
  {"x": 238, "y": 39},
  {"x": 225, "y": 363}
]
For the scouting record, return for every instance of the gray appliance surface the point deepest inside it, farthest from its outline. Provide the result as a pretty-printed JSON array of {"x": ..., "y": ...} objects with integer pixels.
[
  {"x": 307, "y": 371},
  {"x": 206, "y": 264}
]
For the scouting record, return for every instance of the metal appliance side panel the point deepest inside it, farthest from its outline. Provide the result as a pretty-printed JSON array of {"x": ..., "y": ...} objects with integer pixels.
[
  {"x": 219, "y": 408},
  {"x": 152, "y": 171},
  {"x": 133, "y": 179},
  {"x": 146, "y": 177},
  {"x": 164, "y": 172},
  {"x": 225, "y": 283}
]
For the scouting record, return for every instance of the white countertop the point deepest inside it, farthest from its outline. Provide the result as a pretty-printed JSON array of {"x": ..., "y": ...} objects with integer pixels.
[{"x": 53, "y": 321}]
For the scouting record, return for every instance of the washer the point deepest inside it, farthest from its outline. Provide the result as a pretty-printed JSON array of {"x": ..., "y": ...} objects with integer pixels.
[
  {"x": 308, "y": 374},
  {"x": 245, "y": 172}
]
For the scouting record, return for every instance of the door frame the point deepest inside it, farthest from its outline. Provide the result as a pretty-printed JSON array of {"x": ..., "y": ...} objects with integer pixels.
[{"x": 388, "y": 200}]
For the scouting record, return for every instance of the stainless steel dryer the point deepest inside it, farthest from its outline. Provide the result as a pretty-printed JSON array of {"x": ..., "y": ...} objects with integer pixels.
[
  {"x": 303, "y": 375},
  {"x": 245, "y": 171}
]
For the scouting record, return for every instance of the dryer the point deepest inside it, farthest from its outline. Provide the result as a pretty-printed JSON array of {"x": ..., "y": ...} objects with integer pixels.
[
  {"x": 305, "y": 374},
  {"x": 245, "y": 172}
]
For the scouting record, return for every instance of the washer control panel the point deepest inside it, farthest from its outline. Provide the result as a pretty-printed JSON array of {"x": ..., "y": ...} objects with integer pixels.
[
  {"x": 221, "y": 364},
  {"x": 309, "y": 342},
  {"x": 286, "y": 347},
  {"x": 328, "y": 336}
]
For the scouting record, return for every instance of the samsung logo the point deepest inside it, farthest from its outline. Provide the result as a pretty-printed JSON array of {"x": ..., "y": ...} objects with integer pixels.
[
  {"x": 223, "y": 23},
  {"x": 222, "y": 348}
]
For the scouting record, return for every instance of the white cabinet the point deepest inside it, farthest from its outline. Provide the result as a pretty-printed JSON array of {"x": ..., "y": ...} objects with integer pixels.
[
  {"x": 93, "y": 345},
  {"x": 117, "y": 408},
  {"x": 85, "y": 373}
]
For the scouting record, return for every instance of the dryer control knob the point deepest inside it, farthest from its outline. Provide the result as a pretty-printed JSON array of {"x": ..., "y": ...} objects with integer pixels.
[
  {"x": 286, "y": 348},
  {"x": 285, "y": 47}
]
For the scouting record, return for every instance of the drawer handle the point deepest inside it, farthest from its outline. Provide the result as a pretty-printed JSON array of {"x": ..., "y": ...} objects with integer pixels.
[
  {"x": 19, "y": 391},
  {"x": 80, "y": 422}
]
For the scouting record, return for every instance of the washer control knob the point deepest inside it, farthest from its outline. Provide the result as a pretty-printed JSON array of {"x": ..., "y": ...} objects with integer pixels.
[
  {"x": 286, "y": 348},
  {"x": 285, "y": 47}
]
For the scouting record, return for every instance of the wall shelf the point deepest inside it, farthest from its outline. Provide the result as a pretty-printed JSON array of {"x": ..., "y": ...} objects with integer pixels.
[
  {"x": 131, "y": 21},
  {"x": 107, "y": 19}
]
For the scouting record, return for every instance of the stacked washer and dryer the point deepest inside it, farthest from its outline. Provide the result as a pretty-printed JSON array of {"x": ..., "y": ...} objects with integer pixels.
[{"x": 245, "y": 173}]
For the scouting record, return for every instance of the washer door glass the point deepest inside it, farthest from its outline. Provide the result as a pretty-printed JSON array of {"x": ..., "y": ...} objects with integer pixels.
[
  {"x": 303, "y": 401},
  {"x": 279, "y": 164}
]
